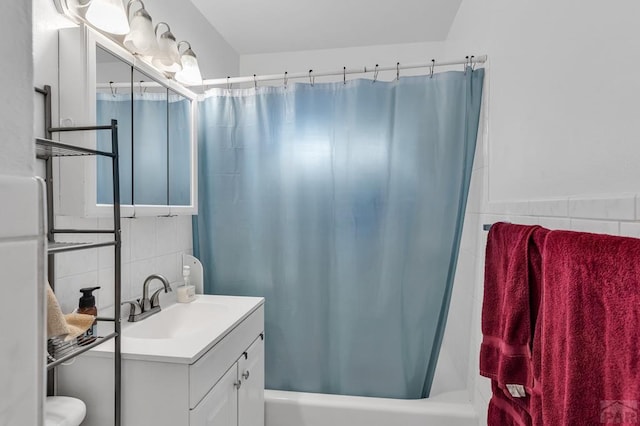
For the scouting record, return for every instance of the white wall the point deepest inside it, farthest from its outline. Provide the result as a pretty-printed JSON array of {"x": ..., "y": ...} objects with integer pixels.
[
  {"x": 17, "y": 153},
  {"x": 20, "y": 371},
  {"x": 564, "y": 89},
  {"x": 559, "y": 146}
]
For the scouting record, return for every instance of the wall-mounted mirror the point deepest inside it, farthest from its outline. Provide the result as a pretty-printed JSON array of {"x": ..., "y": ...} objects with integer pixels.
[
  {"x": 101, "y": 81},
  {"x": 150, "y": 153},
  {"x": 180, "y": 154},
  {"x": 113, "y": 101}
]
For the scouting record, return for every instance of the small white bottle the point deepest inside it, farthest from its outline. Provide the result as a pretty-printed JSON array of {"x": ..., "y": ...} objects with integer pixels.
[{"x": 187, "y": 292}]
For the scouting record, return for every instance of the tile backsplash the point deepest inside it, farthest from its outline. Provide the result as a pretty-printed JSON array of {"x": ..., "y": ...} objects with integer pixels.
[{"x": 150, "y": 245}]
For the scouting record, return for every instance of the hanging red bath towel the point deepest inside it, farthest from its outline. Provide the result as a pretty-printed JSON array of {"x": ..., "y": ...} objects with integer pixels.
[
  {"x": 588, "y": 362},
  {"x": 509, "y": 311}
]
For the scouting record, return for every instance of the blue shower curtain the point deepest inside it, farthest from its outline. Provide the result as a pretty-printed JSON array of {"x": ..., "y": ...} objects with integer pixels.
[{"x": 342, "y": 205}]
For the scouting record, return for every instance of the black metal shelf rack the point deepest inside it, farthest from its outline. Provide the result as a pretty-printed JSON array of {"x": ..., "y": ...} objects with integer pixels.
[{"x": 59, "y": 351}]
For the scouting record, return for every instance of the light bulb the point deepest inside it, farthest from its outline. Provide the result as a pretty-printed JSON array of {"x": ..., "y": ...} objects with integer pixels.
[
  {"x": 167, "y": 57},
  {"x": 108, "y": 16},
  {"x": 141, "y": 39},
  {"x": 190, "y": 74}
]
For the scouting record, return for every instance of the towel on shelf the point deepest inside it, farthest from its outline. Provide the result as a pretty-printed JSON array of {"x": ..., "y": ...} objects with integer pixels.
[
  {"x": 78, "y": 324},
  {"x": 509, "y": 311},
  {"x": 56, "y": 324},
  {"x": 589, "y": 370}
]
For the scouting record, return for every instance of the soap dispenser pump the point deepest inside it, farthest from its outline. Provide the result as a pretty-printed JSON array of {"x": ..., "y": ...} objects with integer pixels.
[{"x": 87, "y": 305}]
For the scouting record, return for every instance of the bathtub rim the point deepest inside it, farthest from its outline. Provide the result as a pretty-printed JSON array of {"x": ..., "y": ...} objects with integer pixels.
[{"x": 457, "y": 402}]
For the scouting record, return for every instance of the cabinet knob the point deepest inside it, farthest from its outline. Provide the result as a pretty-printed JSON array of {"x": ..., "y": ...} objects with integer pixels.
[
  {"x": 245, "y": 375},
  {"x": 237, "y": 384}
]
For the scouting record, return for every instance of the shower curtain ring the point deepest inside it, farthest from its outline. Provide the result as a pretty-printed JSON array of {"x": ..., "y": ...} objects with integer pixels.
[
  {"x": 375, "y": 74},
  {"x": 285, "y": 80},
  {"x": 255, "y": 82},
  {"x": 466, "y": 64},
  {"x": 397, "y": 70},
  {"x": 344, "y": 75},
  {"x": 433, "y": 64},
  {"x": 113, "y": 91},
  {"x": 472, "y": 63},
  {"x": 312, "y": 79},
  {"x": 228, "y": 84}
]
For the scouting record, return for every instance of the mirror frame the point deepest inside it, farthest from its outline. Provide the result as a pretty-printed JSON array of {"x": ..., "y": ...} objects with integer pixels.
[{"x": 73, "y": 87}]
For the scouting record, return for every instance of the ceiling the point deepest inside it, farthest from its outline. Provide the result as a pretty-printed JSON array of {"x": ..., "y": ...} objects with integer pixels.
[{"x": 267, "y": 26}]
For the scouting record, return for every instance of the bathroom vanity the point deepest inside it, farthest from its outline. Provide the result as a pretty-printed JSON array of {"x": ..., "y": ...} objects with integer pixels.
[{"x": 195, "y": 364}]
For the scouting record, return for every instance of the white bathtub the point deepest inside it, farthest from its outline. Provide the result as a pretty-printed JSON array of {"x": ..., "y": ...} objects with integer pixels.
[{"x": 311, "y": 409}]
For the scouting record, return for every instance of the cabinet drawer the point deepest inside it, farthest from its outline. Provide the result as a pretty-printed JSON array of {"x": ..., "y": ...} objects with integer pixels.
[{"x": 207, "y": 370}]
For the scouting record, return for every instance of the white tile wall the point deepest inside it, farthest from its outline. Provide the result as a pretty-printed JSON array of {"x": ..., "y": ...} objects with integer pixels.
[
  {"x": 550, "y": 208},
  {"x": 555, "y": 222},
  {"x": 630, "y": 229},
  {"x": 18, "y": 350},
  {"x": 143, "y": 238},
  {"x": 618, "y": 208},
  {"x": 21, "y": 321},
  {"x": 596, "y": 226},
  {"x": 150, "y": 245}
]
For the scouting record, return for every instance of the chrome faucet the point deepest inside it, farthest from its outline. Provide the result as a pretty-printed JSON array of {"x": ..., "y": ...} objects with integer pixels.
[{"x": 147, "y": 305}]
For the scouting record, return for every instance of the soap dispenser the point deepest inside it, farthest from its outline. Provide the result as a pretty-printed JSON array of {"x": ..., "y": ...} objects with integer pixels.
[
  {"x": 87, "y": 305},
  {"x": 186, "y": 293}
]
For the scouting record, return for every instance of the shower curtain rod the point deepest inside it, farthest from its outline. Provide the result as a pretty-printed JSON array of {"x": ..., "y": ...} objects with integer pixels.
[
  {"x": 311, "y": 74},
  {"x": 127, "y": 85}
]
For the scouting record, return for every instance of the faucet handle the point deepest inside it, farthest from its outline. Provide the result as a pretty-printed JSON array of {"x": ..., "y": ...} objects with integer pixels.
[
  {"x": 145, "y": 304},
  {"x": 155, "y": 297},
  {"x": 132, "y": 310}
]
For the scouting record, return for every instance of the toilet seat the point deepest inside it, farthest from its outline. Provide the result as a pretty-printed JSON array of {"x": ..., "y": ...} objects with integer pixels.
[{"x": 64, "y": 411}]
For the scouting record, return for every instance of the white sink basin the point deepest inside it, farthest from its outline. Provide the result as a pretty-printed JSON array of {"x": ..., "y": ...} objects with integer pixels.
[
  {"x": 182, "y": 332},
  {"x": 177, "y": 321}
]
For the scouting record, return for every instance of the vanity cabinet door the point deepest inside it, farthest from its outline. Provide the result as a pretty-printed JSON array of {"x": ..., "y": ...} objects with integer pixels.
[
  {"x": 220, "y": 406},
  {"x": 251, "y": 392}
]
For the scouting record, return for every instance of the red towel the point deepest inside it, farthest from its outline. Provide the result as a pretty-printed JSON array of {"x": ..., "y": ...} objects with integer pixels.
[
  {"x": 505, "y": 410},
  {"x": 509, "y": 309},
  {"x": 589, "y": 363}
]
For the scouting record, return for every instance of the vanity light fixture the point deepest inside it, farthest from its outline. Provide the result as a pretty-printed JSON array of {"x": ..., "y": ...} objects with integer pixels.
[
  {"x": 141, "y": 39},
  {"x": 137, "y": 34},
  {"x": 190, "y": 73},
  {"x": 108, "y": 16},
  {"x": 167, "y": 57}
]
